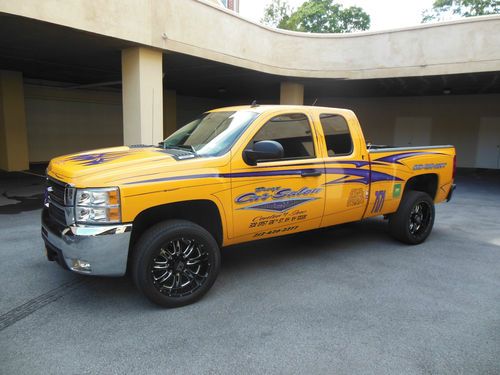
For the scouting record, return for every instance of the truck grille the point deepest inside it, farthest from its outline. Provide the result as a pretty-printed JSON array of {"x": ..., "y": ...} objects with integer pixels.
[
  {"x": 57, "y": 214},
  {"x": 56, "y": 191}
]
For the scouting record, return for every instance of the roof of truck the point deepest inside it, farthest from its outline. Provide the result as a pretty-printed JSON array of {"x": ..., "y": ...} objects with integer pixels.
[{"x": 275, "y": 107}]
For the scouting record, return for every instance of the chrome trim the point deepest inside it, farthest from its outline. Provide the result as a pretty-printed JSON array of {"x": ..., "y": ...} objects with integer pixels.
[
  {"x": 98, "y": 230},
  {"x": 69, "y": 196},
  {"x": 59, "y": 182},
  {"x": 69, "y": 212},
  {"x": 105, "y": 247},
  {"x": 68, "y": 188}
]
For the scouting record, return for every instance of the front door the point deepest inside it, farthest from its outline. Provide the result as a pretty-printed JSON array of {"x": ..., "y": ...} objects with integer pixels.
[{"x": 281, "y": 196}]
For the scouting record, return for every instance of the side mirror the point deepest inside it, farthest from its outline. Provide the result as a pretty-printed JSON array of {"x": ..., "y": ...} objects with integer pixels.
[{"x": 263, "y": 150}]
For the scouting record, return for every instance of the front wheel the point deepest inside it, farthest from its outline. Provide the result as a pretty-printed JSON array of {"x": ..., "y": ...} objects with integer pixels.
[
  {"x": 175, "y": 263},
  {"x": 412, "y": 223}
]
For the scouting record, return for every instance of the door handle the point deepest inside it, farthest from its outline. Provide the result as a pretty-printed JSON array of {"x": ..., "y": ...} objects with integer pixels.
[{"x": 311, "y": 173}]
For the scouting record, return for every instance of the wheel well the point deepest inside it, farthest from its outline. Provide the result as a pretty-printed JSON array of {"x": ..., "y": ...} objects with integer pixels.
[
  {"x": 202, "y": 212},
  {"x": 427, "y": 183}
]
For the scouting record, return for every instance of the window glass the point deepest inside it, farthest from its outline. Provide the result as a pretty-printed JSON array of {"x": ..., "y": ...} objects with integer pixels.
[
  {"x": 212, "y": 134},
  {"x": 292, "y": 131},
  {"x": 337, "y": 136}
]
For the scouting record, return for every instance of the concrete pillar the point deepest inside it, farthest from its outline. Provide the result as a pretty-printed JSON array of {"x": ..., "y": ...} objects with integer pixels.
[
  {"x": 169, "y": 113},
  {"x": 13, "y": 134},
  {"x": 142, "y": 77},
  {"x": 292, "y": 93}
]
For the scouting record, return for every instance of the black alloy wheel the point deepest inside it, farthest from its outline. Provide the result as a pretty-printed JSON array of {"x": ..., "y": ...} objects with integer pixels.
[
  {"x": 175, "y": 262},
  {"x": 180, "y": 268},
  {"x": 420, "y": 217},
  {"x": 413, "y": 221}
]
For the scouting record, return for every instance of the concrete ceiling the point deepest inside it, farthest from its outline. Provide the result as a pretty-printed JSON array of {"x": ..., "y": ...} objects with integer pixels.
[{"x": 49, "y": 52}]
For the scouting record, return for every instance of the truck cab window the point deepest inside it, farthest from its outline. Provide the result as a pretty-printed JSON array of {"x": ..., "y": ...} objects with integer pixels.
[
  {"x": 292, "y": 131},
  {"x": 337, "y": 136}
]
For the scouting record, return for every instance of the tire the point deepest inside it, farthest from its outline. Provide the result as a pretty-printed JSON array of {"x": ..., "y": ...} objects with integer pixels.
[
  {"x": 175, "y": 263},
  {"x": 413, "y": 221}
]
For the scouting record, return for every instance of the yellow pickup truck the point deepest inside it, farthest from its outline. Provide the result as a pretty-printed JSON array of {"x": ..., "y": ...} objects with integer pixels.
[{"x": 236, "y": 174}]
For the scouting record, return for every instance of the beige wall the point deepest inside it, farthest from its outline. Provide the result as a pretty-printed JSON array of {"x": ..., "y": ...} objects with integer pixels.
[
  {"x": 291, "y": 93},
  {"x": 455, "y": 119},
  {"x": 142, "y": 95},
  {"x": 195, "y": 27},
  {"x": 63, "y": 121},
  {"x": 13, "y": 142},
  {"x": 190, "y": 107}
]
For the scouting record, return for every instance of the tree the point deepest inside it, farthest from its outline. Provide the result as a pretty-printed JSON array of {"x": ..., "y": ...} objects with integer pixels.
[
  {"x": 276, "y": 12},
  {"x": 317, "y": 16},
  {"x": 441, "y": 9}
]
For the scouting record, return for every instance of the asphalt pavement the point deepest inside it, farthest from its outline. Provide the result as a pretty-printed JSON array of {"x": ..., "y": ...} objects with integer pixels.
[{"x": 343, "y": 300}]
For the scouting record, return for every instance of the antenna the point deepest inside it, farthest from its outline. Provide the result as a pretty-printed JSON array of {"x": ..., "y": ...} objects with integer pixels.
[
  {"x": 254, "y": 104},
  {"x": 315, "y": 101}
]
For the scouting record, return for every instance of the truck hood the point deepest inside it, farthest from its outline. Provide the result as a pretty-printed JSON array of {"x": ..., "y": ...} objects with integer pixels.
[{"x": 108, "y": 166}]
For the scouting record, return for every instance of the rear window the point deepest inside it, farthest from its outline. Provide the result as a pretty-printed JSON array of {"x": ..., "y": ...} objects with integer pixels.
[{"x": 337, "y": 136}]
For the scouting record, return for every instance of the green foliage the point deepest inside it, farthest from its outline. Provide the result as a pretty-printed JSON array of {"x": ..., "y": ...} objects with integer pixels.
[
  {"x": 316, "y": 16},
  {"x": 463, "y": 8},
  {"x": 276, "y": 12}
]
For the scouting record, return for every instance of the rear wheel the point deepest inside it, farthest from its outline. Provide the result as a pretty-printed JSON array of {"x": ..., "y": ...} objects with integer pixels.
[
  {"x": 175, "y": 263},
  {"x": 413, "y": 221}
]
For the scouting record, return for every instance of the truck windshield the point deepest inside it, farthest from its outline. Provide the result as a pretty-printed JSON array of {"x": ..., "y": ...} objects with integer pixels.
[{"x": 212, "y": 134}]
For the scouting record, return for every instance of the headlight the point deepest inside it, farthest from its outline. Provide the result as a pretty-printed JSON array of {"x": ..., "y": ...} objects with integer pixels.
[{"x": 97, "y": 206}]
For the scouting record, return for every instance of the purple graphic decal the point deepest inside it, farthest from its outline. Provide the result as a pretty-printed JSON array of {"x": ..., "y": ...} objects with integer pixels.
[
  {"x": 379, "y": 176},
  {"x": 379, "y": 201},
  {"x": 176, "y": 178},
  {"x": 360, "y": 175},
  {"x": 357, "y": 163},
  {"x": 274, "y": 193},
  {"x": 95, "y": 159},
  {"x": 289, "y": 172},
  {"x": 279, "y": 206},
  {"x": 318, "y": 164},
  {"x": 276, "y": 198},
  {"x": 341, "y": 180},
  {"x": 292, "y": 172},
  {"x": 395, "y": 159}
]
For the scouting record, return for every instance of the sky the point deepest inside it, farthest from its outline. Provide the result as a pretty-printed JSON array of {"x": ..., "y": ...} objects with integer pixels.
[{"x": 385, "y": 14}]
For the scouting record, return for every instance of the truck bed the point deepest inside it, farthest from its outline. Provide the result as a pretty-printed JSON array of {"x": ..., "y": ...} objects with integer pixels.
[{"x": 421, "y": 166}]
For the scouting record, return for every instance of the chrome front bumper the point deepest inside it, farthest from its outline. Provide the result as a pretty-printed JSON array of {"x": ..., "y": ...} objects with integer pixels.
[{"x": 103, "y": 247}]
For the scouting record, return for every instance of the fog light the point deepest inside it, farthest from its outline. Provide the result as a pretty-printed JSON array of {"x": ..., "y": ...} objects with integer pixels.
[{"x": 80, "y": 265}]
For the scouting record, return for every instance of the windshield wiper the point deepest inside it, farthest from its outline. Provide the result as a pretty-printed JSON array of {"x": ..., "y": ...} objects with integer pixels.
[
  {"x": 179, "y": 147},
  {"x": 187, "y": 147}
]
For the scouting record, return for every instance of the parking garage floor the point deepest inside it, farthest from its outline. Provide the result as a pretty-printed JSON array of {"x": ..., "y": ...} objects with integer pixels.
[{"x": 342, "y": 300}]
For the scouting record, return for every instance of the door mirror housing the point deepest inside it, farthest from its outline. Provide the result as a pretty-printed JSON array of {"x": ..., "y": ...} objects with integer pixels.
[{"x": 263, "y": 150}]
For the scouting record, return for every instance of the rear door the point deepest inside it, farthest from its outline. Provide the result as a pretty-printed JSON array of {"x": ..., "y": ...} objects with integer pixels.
[
  {"x": 347, "y": 167},
  {"x": 281, "y": 196}
]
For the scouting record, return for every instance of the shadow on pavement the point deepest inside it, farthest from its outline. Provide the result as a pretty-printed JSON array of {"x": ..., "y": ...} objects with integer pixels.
[{"x": 22, "y": 204}]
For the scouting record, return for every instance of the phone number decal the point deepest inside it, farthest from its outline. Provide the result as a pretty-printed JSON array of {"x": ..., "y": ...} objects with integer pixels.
[{"x": 275, "y": 231}]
